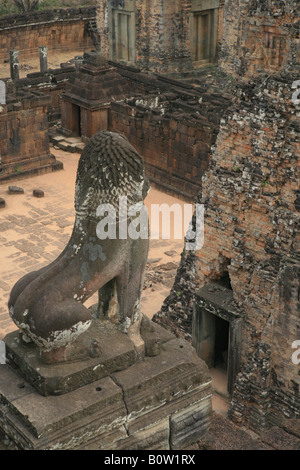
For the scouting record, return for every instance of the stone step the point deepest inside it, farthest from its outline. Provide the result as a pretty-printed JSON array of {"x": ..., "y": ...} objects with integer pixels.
[{"x": 162, "y": 402}]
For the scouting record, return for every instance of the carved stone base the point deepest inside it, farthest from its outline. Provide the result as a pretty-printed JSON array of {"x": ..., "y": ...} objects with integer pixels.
[{"x": 161, "y": 402}]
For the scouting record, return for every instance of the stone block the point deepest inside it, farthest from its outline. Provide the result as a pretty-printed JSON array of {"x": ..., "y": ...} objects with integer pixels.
[
  {"x": 155, "y": 437},
  {"x": 15, "y": 190},
  {"x": 36, "y": 422},
  {"x": 118, "y": 353},
  {"x": 191, "y": 424},
  {"x": 157, "y": 380},
  {"x": 160, "y": 402},
  {"x": 38, "y": 193}
]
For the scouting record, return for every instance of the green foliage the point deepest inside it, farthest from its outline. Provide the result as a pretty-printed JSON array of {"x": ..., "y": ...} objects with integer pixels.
[
  {"x": 26, "y": 5},
  {"x": 6, "y": 8},
  {"x": 49, "y": 4},
  {"x": 9, "y": 7}
]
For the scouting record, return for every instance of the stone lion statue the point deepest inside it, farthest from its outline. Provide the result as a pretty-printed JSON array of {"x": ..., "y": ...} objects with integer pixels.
[{"x": 48, "y": 305}]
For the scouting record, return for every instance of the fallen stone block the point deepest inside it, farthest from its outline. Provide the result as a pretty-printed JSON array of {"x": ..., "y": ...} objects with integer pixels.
[
  {"x": 38, "y": 193},
  {"x": 15, "y": 190}
]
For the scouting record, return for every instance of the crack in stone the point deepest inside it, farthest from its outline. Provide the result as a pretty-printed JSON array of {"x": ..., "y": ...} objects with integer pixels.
[{"x": 114, "y": 379}]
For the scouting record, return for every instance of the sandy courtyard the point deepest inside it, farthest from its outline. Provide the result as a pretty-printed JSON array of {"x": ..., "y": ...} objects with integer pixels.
[
  {"x": 32, "y": 64},
  {"x": 34, "y": 231}
]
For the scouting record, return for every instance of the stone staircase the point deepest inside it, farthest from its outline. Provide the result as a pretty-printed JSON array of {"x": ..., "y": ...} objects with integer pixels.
[
  {"x": 68, "y": 144},
  {"x": 93, "y": 33}
]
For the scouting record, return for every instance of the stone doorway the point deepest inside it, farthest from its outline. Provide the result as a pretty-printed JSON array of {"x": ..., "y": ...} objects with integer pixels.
[
  {"x": 204, "y": 29},
  {"x": 72, "y": 119},
  {"x": 122, "y": 32},
  {"x": 214, "y": 346},
  {"x": 217, "y": 332},
  {"x": 202, "y": 35},
  {"x": 123, "y": 28}
]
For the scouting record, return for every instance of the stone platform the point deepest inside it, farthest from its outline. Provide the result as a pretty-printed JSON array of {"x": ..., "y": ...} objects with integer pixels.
[
  {"x": 29, "y": 167},
  {"x": 116, "y": 401}
]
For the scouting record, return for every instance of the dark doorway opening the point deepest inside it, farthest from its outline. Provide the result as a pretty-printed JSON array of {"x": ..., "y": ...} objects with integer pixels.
[
  {"x": 217, "y": 330},
  {"x": 221, "y": 344},
  {"x": 76, "y": 120},
  {"x": 224, "y": 280}
]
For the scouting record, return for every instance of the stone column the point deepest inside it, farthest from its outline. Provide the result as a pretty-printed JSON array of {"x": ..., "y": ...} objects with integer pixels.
[
  {"x": 43, "y": 58},
  {"x": 14, "y": 64}
]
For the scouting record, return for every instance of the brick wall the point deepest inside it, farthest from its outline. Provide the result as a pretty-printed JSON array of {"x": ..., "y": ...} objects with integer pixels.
[
  {"x": 172, "y": 130},
  {"x": 260, "y": 41},
  {"x": 51, "y": 83},
  {"x": 176, "y": 152},
  {"x": 61, "y": 30},
  {"x": 24, "y": 139},
  {"x": 251, "y": 197},
  {"x": 252, "y": 222}
]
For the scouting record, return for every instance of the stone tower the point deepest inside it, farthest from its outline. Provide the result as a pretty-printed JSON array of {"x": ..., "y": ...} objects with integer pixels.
[
  {"x": 248, "y": 270},
  {"x": 160, "y": 35}
]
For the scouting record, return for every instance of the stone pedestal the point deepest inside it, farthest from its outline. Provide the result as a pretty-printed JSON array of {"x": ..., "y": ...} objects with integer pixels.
[{"x": 116, "y": 401}]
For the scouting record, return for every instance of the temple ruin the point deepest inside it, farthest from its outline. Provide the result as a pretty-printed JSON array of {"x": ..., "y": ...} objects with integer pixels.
[
  {"x": 246, "y": 277},
  {"x": 161, "y": 36},
  {"x": 207, "y": 92}
]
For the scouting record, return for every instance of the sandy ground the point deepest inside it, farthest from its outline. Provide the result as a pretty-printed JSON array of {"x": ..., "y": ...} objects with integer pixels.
[
  {"x": 34, "y": 231},
  {"x": 32, "y": 64}
]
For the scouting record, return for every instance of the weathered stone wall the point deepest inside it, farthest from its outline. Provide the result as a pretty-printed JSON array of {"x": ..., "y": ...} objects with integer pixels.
[
  {"x": 252, "y": 221},
  {"x": 175, "y": 148},
  {"x": 166, "y": 46},
  {"x": 50, "y": 83},
  {"x": 162, "y": 34},
  {"x": 252, "y": 224},
  {"x": 257, "y": 36},
  {"x": 24, "y": 139},
  {"x": 173, "y": 127},
  {"x": 171, "y": 123},
  {"x": 61, "y": 30}
]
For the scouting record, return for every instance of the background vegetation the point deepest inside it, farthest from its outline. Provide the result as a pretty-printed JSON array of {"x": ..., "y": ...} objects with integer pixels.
[{"x": 13, "y": 7}]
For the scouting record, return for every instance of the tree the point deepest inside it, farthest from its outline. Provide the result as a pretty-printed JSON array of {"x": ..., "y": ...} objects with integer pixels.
[{"x": 26, "y": 5}]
